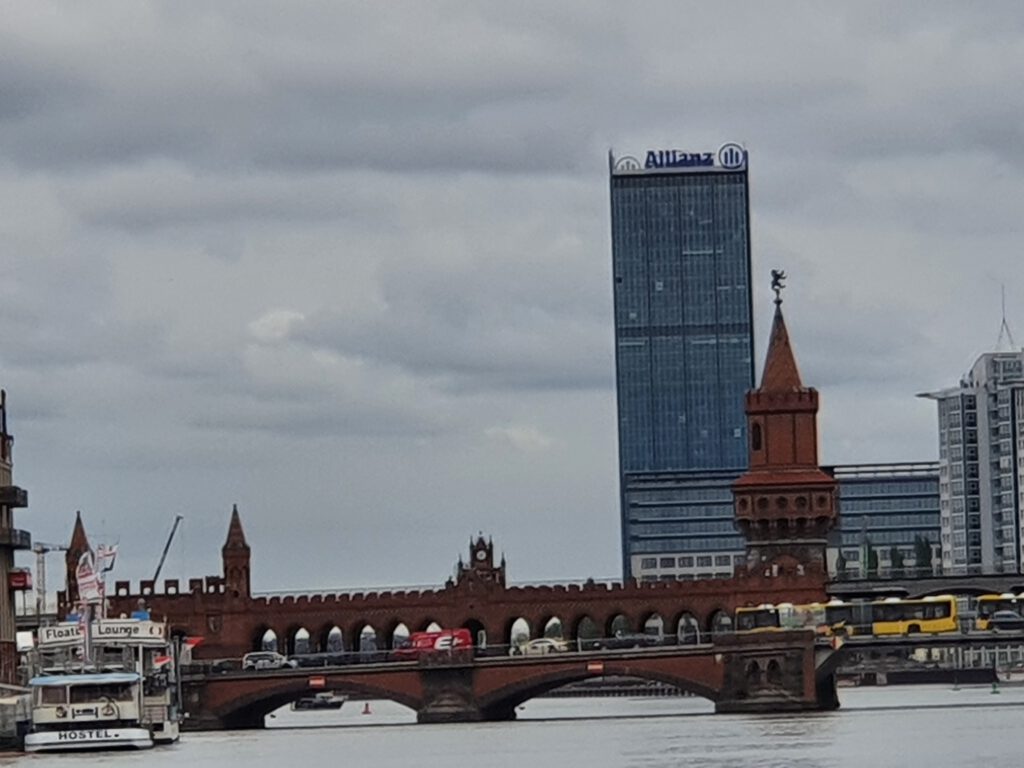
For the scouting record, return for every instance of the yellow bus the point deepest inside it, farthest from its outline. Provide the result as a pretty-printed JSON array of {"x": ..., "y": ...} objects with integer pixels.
[
  {"x": 989, "y": 604},
  {"x": 784, "y": 616},
  {"x": 894, "y": 616},
  {"x": 757, "y": 618}
]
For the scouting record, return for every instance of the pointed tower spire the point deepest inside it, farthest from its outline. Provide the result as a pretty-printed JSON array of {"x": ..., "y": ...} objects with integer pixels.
[
  {"x": 236, "y": 536},
  {"x": 780, "y": 371},
  {"x": 79, "y": 541},
  {"x": 235, "y": 556},
  {"x": 77, "y": 547}
]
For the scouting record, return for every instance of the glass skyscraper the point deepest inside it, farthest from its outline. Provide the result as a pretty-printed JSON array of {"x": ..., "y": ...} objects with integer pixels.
[{"x": 683, "y": 327}]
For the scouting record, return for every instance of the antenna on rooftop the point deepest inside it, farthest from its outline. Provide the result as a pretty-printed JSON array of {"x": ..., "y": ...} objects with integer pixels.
[{"x": 1004, "y": 327}]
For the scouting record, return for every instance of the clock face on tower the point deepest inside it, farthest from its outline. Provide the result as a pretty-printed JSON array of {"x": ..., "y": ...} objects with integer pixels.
[{"x": 481, "y": 554}]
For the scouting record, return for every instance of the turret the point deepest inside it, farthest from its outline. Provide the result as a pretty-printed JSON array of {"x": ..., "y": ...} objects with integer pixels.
[
  {"x": 236, "y": 555},
  {"x": 785, "y": 504}
]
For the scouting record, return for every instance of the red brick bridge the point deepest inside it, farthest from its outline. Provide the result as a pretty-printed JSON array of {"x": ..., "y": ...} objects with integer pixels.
[{"x": 780, "y": 672}]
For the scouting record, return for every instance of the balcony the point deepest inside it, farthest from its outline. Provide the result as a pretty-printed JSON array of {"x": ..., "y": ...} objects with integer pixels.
[
  {"x": 13, "y": 496},
  {"x": 15, "y": 538}
]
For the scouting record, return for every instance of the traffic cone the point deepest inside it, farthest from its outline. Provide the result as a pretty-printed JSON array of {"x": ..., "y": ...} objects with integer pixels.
[{"x": 366, "y": 708}]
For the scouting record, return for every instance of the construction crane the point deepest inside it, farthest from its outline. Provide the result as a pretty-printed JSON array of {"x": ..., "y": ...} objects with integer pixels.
[
  {"x": 167, "y": 546},
  {"x": 41, "y": 548}
]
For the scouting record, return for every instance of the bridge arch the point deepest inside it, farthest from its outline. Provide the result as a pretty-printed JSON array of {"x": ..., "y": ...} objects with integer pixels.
[
  {"x": 501, "y": 703},
  {"x": 248, "y": 709}
]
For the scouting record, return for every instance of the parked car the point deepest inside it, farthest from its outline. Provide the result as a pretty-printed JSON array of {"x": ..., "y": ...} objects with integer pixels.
[
  {"x": 328, "y": 659},
  {"x": 1006, "y": 621},
  {"x": 539, "y": 647},
  {"x": 266, "y": 660},
  {"x": 631, "y": 640}
]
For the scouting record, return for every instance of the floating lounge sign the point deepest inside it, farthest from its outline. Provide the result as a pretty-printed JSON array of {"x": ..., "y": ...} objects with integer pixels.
[{"x": 111, "y": 631}]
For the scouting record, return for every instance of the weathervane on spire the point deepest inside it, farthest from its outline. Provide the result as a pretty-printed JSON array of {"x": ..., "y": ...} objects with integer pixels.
[{"x": 778, "y": 276}]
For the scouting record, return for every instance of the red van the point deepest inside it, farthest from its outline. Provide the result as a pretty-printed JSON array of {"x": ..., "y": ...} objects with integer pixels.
[{"x": 432, "y": 642}]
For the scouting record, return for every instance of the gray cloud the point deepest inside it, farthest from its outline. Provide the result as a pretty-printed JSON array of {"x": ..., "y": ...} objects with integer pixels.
[{"x": 349, "y": 266}]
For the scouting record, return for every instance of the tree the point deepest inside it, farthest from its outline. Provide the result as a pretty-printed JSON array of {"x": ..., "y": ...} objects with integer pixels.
[
  {"x": 922, "y": 556},
  {"x": 840, "y": 566},
  {"x": 871, "y": 560},
  {"x": 895, "y": 562}
]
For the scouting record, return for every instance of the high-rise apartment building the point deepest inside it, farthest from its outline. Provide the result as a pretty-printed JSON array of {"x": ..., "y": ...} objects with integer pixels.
[
  {"x": 981, "y": 437},
  {"x": 683, "y": 327}
]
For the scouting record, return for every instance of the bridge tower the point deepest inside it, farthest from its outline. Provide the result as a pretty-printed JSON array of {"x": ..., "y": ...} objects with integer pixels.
[
  {"x": 236, "y": 556},
  {"x": 785, "y": 504}
]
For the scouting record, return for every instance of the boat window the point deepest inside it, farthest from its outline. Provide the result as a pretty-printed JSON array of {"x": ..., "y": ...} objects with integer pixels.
[
  {"x": 52, "y": 694},
  {"x": 82, "y": 694}
]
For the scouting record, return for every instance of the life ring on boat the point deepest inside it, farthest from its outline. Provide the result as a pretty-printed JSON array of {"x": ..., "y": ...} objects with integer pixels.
[
  {"x": 62, "y": 712},
  {"x": 109, "y": 707}
]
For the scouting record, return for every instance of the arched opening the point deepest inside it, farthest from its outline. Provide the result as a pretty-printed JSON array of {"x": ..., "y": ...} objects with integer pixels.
[
  {"x": 369, "y": 644},
  {"x": 433, "y": 627},
  {"x": 753, "y": 674},
  {"x": 258, "y": 635},
  {"x": 400, "y": 636},
  {"x": 333, "y": 640},
  {"x": 588, "y": 636},
  {"x": 720, "y": 623},
  {"x": 774, "y": 673},
  {"x": 619, "y": 626},
  {"x": 755, "y": 437},
  {"x": 518, "y": 635},
  {"x": 688, "y": 630},
  {"x": 654, "y": 627},
  {"x": 300, "y": 643},
  {"x": 269, "y": 641},
  {"x": 553, "y": 629},
  {"x": 477, "y": 630}
]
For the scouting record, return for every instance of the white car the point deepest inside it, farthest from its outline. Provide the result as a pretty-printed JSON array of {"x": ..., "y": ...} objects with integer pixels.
[
  {"x": 266, "y": 660},
  {"x": 540, "y": 646}
]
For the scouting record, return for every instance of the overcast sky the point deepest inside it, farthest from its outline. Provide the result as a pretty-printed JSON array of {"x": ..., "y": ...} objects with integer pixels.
[{"x": 347, "y": 264}]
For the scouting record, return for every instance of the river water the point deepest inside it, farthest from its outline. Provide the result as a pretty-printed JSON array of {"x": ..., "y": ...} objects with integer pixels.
[{"x": 910, "y": 727}]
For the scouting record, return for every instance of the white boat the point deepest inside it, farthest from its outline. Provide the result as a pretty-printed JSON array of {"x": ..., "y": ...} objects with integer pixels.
[{"x": 118, "y": 690}]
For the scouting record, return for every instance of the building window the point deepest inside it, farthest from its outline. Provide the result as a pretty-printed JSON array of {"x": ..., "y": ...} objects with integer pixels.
[
  {"x": 723, "y": 559},
  {"x": 755, "y": 437},
  {"x": 668, "y": 562},
  {"x": 686, "y": 562},
  {"x": 649, "y": 562},
  {"x": 704, "y": 561}
]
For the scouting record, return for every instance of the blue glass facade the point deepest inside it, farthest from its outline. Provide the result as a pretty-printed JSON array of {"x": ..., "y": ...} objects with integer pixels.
[
  {"x": 886, "y": 505},
  {"x": 681, "y": 523},
  {"x": 683, "y": 327}
]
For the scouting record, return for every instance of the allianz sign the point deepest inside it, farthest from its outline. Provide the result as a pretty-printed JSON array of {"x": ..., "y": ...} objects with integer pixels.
[{"x": 674, "y": 158}]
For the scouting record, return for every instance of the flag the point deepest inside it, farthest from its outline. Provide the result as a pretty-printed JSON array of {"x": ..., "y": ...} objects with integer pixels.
[
  {"x": 105, "y": 557},
  {"x": 159, "y": 661},
  {"x": 89, "y": 585},
  {"x": 85, "y": 624}
]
